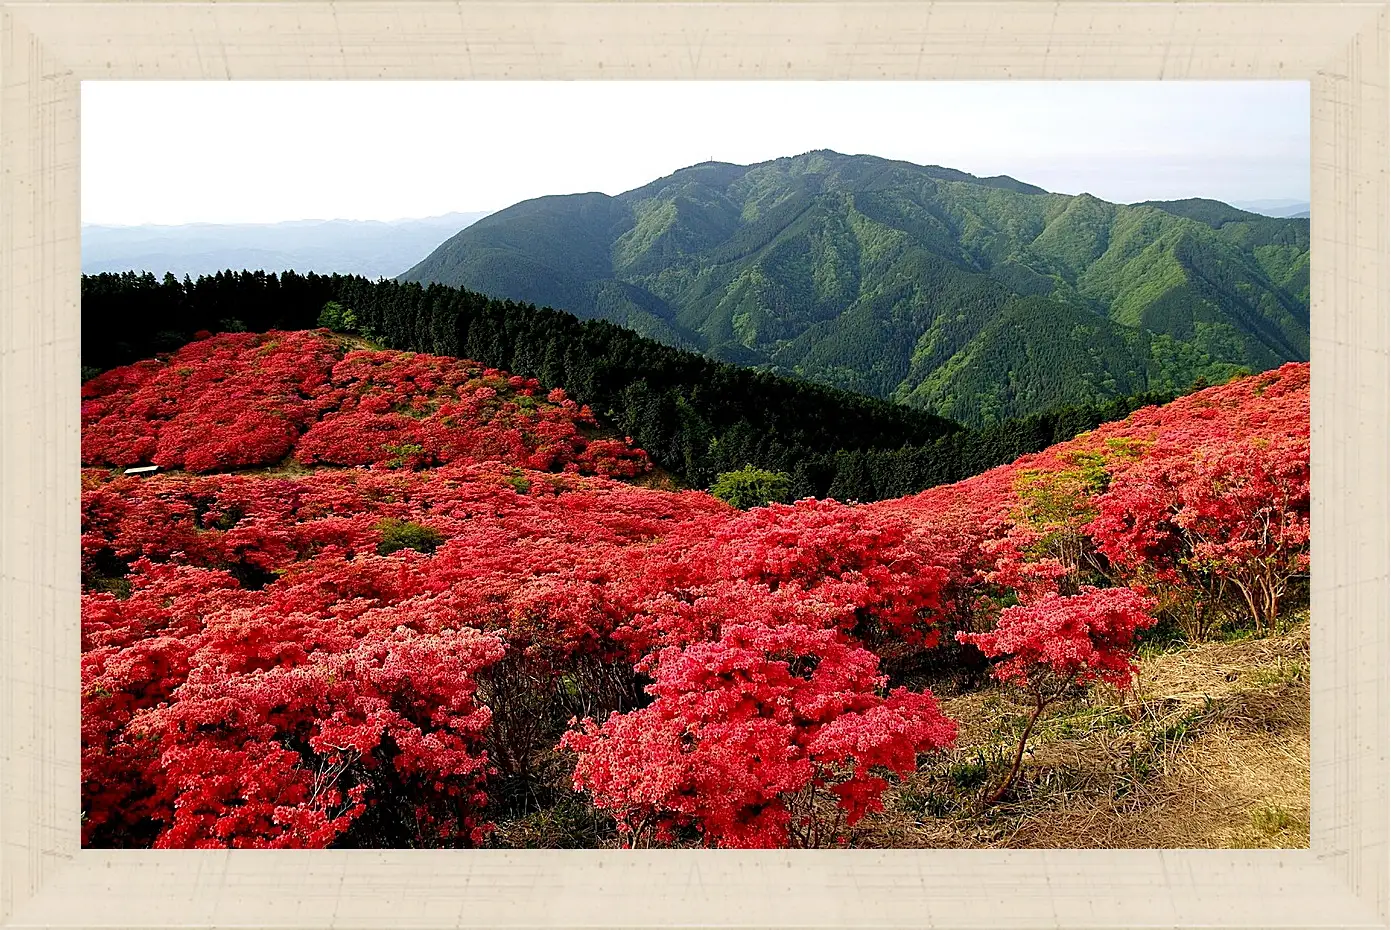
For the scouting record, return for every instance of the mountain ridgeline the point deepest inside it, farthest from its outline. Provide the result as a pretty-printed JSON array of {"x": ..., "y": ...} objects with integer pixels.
[
  {"x": 979, "y": 299},
  {"x": 366, "y": 247},
  {"x": 696, "y": 417}
]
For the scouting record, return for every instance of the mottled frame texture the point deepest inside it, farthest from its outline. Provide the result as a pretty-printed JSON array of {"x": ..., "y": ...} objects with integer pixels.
[{"x": 47, "y": 49}]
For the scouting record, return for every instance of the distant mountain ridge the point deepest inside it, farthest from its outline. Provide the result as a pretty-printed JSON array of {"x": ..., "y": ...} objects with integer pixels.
[
  {"x": 370, "y": 248},
  {"x": 1286, "y": 209},
  {"x": 980, "y": 299}
]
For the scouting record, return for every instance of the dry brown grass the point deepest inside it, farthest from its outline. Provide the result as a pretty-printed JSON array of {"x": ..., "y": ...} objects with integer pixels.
[
  {"x": 1211, "y": 751},
  {"x": 657, "y": 479}
]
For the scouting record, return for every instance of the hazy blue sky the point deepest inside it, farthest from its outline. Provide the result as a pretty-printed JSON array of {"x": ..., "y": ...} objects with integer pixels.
[{"x": 220, "y": 151}]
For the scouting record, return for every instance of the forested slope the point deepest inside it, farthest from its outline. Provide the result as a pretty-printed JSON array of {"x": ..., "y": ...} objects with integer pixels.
[{"x": 696, "y": 417}]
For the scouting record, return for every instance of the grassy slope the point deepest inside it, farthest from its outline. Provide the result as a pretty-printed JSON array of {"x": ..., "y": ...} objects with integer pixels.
[{"x": 1211, "y": 752}]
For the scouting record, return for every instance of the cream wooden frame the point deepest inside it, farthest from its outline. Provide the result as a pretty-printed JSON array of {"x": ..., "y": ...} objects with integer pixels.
[{"x": 46, "y": 49}]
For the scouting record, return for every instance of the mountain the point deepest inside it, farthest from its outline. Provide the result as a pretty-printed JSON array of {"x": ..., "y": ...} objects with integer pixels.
[
  {"x": 979, "y": 299},
  {"x": 366, "y": 247}
]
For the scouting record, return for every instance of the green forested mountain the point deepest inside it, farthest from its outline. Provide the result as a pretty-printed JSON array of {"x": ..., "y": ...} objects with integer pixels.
[{"x": 979, "y": 299}]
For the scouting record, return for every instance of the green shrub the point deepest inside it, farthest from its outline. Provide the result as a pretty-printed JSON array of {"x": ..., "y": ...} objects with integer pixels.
[
  {"x": 338, "y": 318},
  {"x": 752, "y": 487},
  {"x": 403, "y": 454},
  {"x": 1272, "y": 819},
  {"x": 403, "y": 534}
]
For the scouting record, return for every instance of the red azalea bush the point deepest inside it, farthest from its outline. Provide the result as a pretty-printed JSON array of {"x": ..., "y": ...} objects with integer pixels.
[
  {"x": 1230, "y": 512},
  {"x": 261, "y": 624},
  {"x": 885, "y": 578},
  {"x": 746, "y": 730},
  {"x": 363, "y": 657},
  {"x": 360, "y": 437},
  {"x": 1204, "y": 500},
  {"x": 294, "y": 754},
  {"x": 1057, "y": 644},
  {"x": 135, "y": 654},
  {"x": 232, "y": 401}
]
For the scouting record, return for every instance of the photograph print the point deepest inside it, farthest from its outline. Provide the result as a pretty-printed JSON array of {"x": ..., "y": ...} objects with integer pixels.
[{"x": 695, "y": 465}]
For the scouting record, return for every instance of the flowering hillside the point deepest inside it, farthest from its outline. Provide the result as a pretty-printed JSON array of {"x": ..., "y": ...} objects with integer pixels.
[
  {"x": 245, "y": 400},
  {"x": 394, "y": 655},
  {"x": 1205, "y": 500}
]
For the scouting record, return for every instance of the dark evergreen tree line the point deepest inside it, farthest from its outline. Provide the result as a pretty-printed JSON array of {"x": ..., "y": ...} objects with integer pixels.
[{"x": 698, "y": 418}]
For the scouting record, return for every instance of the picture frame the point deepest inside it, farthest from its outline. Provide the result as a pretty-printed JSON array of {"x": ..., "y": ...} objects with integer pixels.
[{"x": 47, "y": 49}]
